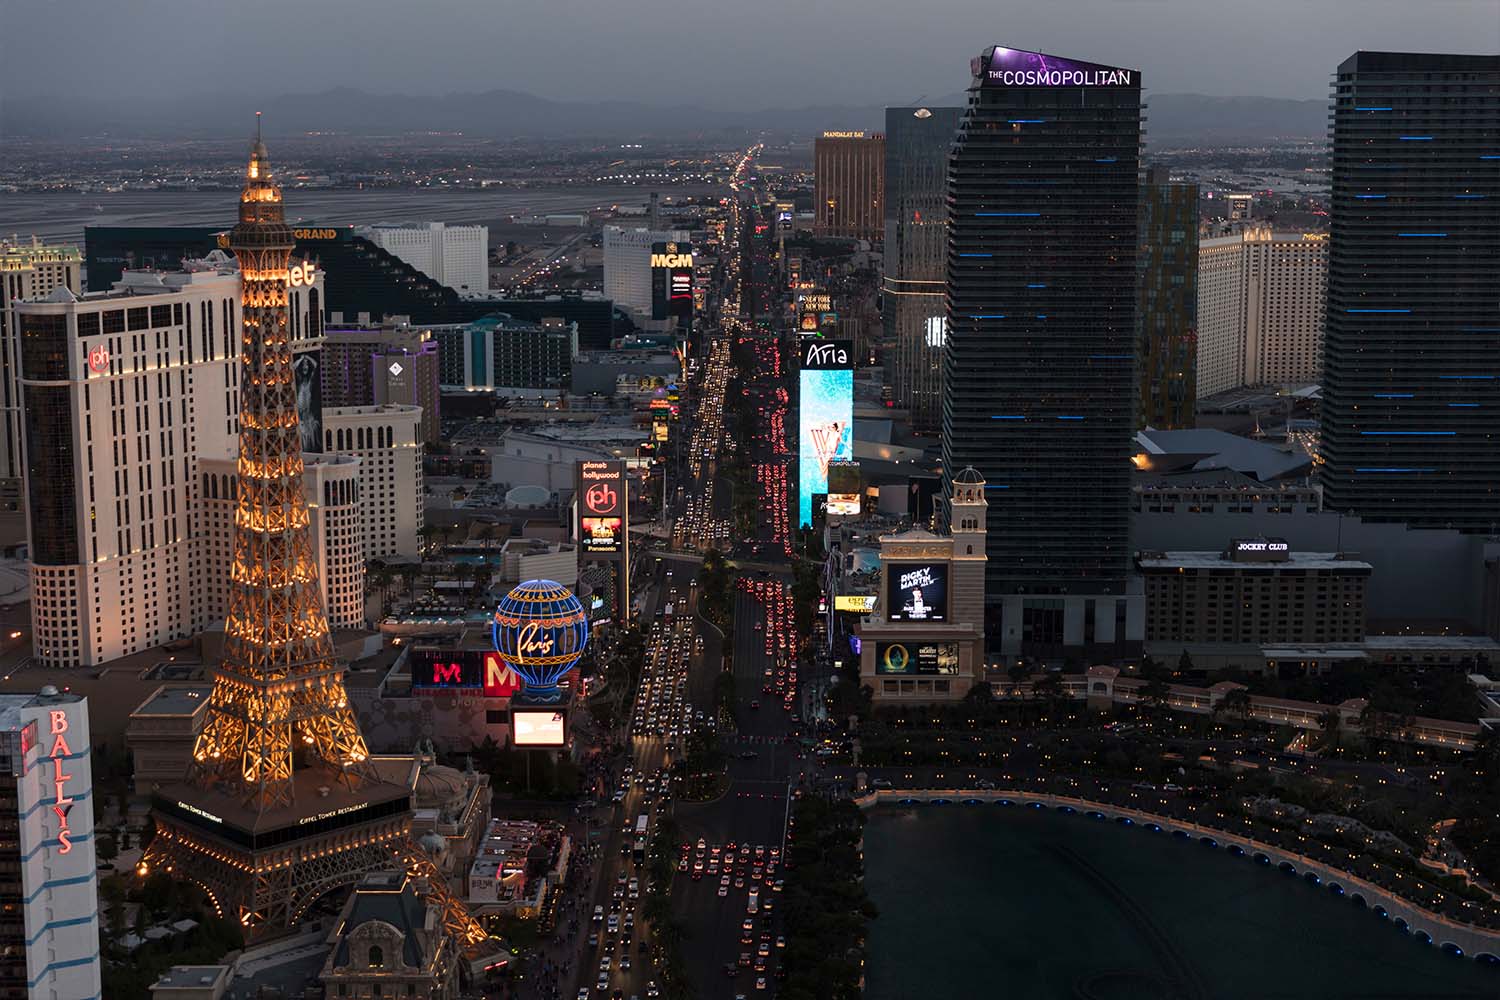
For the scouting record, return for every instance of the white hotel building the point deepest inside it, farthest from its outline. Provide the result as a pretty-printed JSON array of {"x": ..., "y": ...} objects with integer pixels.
[
  {"x": 49, "y": 889},
  {"x": 1260, "y": 309},
  {"x": 127, "y": 393},
  {"x": 627, "y": 265},
  {"x": 456, "y": 256},
  {"x": 387, "y": 440}
]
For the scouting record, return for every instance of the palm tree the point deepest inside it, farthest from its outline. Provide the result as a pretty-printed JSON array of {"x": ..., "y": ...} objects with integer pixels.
[
  {"x": 1373, "y": 723},
  {"x": 1330, "y": 722},
  {"x": 1237, "y": 703}
]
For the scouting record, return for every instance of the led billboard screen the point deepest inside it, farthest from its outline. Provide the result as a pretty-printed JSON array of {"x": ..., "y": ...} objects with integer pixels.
[
  {"x": 600, "y": 535},
  {"x": 916, "y": 592},
  {"x": 916, "y": 658},
  {"x": 671, "y": 280},
  {"x": 843, "y": 504},
  {"x": 538, "y": 727},
  {"x": 826, "y": 417},
  {"x": 307, "y": 373},
  {"x": 458, "y": 669}
]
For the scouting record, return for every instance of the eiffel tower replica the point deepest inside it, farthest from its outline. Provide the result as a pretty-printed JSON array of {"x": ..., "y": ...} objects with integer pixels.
[{"x": 282, "y": 802}]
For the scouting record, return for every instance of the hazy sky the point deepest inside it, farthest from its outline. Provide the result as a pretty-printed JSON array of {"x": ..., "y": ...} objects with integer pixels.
[{"x": 741, "y": 54}]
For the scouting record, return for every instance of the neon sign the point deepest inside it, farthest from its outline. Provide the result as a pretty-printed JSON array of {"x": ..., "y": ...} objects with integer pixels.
[
  {"x": 302, "y": 274},
  {"x": 98, "y": 359},
  {"x": 58, "y": 726}
]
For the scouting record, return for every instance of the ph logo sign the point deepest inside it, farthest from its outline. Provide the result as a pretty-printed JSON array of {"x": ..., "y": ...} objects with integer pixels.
[
  {"x": 601, "y": 498},
  {"x": 98, "y": 359}
]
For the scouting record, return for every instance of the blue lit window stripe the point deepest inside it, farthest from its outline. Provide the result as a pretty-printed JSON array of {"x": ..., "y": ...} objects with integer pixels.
[
  {"x": 1036, "y": 286},
  {"x": 1371, "y": 109},
  {"x": 1393, "y": 469},
  {"x": 1464, "y": 406},
  {"x": 1007, "y": 416},
  {"x": 1467, "y": 378},
  {"x": 1423, "y": 234},
  {"x": 1373, "y": 434},
  {"x": 1108, "y": 159},
  {"x": 1008, "y": 215},
  {"x": 1378, "y": 310},
  {"x": 1110, "y": 357},
  {"x": 988, "y": 316},
  {"x": 1469, "y": 196},
  {"x": 1369, "y": 197},
  {"x": 1025, "y": 121},
  {"x": 976, "y": 255},
  {"x": 1416, "y": 138},
  {"x": 1069, "y": 417},
  {"x": 1395, "y": 395},
  {"x": 1479, "y": 329},
  {"x": 1489, "y": 156},
  {"x": 996, "y": 486},
  {"x": 1041, "y": 315}
]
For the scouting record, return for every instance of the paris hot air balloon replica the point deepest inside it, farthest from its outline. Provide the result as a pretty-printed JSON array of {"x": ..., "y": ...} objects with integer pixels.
[{"x": 540, "y": 630}]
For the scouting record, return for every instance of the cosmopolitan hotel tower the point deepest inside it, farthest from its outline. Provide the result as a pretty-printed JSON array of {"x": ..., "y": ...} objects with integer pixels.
[
  {"x": 1043, "y": 216},
  {"x": 1411, "y": 383}
]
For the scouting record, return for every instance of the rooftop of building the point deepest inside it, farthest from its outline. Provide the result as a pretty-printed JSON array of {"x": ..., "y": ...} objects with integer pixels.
[
  {"x": 11, "y": 705},
  {"x": 1218, "y": 560},
  {"x": 193, "y": 977},
  {"x": 1204, "y": 449},
  {"x": 16, "y": 255},
  {"x": 391, "y": 898},
  {"x": 1212, "y": 480},
  {"x": 175, "y": 699}
]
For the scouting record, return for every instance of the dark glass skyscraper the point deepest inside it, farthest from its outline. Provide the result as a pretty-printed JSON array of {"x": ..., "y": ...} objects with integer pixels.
[
  {"x": 1167, "y": 363},
  {"x": 917, "y": 143},
  {"x": 1411, "y": 384},
  {"x": 1043, "y": 238}
]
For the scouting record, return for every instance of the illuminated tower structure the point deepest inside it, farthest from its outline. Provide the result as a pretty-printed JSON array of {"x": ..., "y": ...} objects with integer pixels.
[{"x": 282, "y": 802}]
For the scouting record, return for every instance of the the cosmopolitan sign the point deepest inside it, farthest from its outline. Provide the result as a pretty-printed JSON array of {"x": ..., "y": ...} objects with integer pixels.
[{"x": 1020, "y": 68}]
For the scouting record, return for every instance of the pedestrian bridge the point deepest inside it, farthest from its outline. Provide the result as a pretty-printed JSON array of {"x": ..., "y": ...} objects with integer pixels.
[{"x": 1452, "y": 936}]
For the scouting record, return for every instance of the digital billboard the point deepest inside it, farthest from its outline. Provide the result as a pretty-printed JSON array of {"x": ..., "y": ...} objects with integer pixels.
[
  {"x": 603, "y": 495},
  {"x": 458, "y": 669},
  {"x": 916, "y": 658},
  {"x": 843, "y": 504},
  {"x": 538, "y": 727},
  {"x": 671, "y": 280},
  {"x": 861, "y": 603},
  {"x": 307, "y": 372},
  {"x": 916, "y": 592},
  {"x": 826, "y": 417},
  {"x": 1020, "y": 68},
  {"x": 600, "y": 535}
]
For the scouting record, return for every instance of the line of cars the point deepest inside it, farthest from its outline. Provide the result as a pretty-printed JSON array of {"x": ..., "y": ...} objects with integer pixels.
[{"x": 778, "y": 632}]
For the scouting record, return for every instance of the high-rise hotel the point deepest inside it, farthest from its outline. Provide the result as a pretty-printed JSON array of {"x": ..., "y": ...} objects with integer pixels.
[
  {"x": 1043, "y": 237},
  {"x": 123, "y": 392},
  {"x": 917, "y": 143},
  {"x": 1411, "y": 370}
]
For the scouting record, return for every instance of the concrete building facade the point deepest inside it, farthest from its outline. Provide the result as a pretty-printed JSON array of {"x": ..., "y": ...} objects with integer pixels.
[
  {"x": 1261, "y": 297},
  {"x": 456, "y": 256},
  {"x": 849, "y": 185},
  {"x": 387, "y": 440},
  {"x": 627, "y": 265}
]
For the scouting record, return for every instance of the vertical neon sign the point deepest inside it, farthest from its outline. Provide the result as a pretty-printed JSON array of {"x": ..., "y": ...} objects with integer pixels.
[{"x": 59, "y": 728}]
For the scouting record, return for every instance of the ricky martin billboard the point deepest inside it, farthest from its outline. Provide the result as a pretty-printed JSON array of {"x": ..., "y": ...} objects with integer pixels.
[{"x": 826, "y": 417}]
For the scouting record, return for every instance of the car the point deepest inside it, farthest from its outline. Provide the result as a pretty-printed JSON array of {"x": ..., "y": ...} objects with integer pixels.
[
  {"x": 780, "y": 941},
  {"x": 603, "y": 984},
  {"x": 583, "y": 994},
  {"x": 604, "y": 964},
  {"x": 745, "y": 959},
  {"x": 593, "y": 939},
  {"x": 748, "y": 755},
  {"x": 598, "y": 914},
  {"x": 760, "y": 983},
  {"x": 625, "y": 963}
]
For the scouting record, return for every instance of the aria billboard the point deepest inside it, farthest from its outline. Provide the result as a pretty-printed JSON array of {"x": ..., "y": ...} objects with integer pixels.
[
  {"x": 916, "y": 592},
  {"x": 826, "y": 417}
]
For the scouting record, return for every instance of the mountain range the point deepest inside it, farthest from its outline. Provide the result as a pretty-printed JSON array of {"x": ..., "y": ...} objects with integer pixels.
[{"x": 1173, "y": 118}]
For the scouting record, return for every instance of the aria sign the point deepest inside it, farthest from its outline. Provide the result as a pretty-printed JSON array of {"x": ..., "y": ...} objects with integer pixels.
[{"x": 1018, "y": 68}]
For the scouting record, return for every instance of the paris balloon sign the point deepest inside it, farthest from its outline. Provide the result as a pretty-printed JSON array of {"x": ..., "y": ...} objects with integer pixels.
[{"x": 540, "y": 631}]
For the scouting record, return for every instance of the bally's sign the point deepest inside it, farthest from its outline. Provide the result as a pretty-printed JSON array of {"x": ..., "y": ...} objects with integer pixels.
[{"x": 818, "y": 354}]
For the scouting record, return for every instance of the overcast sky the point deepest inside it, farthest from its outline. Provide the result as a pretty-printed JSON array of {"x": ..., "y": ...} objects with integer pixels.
[{"x": 740, "y": 54}]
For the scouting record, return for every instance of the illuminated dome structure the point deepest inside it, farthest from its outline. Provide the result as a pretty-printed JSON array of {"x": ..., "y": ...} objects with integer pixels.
[{"x": 540, "y": 629}]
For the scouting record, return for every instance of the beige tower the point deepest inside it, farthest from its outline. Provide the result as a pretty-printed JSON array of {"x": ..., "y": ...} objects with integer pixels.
[{"x": 968, "y": 514}]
